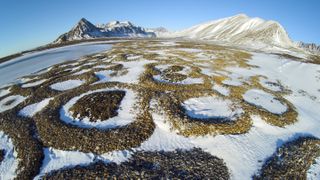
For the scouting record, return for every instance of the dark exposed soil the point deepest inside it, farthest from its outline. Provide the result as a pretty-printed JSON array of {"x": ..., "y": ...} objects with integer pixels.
[
  {"x": 174, "y": 77},
  {"x": 99, "y": 105},
  {"x": 193, "y": 164},
  {"x": 292, "y": 160},
  {"x": 2, "y": 154}
]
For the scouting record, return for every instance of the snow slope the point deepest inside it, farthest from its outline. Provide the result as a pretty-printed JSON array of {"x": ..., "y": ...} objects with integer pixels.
[
  {"x": 240, "y": 29},
  {"x": 86, "y": 30}
]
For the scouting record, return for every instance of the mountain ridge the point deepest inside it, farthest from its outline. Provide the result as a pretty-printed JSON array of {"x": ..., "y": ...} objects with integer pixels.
[
  {"x": 84, "y": 29},
  {"x": 239, "y": 30}
]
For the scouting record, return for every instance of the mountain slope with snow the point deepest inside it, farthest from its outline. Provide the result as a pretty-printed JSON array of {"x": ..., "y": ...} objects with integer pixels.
[
  {"x": 240, "y": 29},
  {"x": 86, "y": 30},
  {"x": 83, "y": 30}
]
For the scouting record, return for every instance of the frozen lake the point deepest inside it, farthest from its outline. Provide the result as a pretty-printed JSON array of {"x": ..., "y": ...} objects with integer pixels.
[{"x": 33, "y": 62}]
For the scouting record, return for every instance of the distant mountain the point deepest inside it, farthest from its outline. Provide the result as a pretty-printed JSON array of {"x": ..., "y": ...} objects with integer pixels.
[
  {"x": 160, "y": 31},
  {"x": 86, "y": 30},
  {"x": 311, "y": 47},
  {"x": 83, "y": 30},
  {"x": 240, "y": 29}
]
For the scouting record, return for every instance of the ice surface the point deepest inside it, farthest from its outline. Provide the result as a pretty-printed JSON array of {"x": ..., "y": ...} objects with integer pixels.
[{"x": 33, "y": 62}]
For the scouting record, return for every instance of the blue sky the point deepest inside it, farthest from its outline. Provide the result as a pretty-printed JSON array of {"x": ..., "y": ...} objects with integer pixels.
[{"x": 29, "y": 23}]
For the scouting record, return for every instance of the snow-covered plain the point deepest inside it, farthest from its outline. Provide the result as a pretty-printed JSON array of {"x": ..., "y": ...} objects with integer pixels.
[{"x": 17, "y": 67}]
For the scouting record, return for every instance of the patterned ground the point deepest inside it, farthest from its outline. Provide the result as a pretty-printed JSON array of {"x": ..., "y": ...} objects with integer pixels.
[{"x": 105, "y": 103}]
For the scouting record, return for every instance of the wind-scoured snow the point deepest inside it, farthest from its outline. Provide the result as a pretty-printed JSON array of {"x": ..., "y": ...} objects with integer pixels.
[
  {"x": 32, "y": 109},
  {"x": 264, "y": 100},
  {"x": 9, "y": 164},
  {"x": 12, "y": 100},
  {"x": 125, "y": 113},
  {"x": 67, "y": 85},
  {"x": 211, "y": 107},
  {"x": 163, "y": 139}
]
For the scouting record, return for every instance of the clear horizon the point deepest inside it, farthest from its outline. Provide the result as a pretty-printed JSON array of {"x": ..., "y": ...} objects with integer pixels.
[{"x": 28, "y": 24}]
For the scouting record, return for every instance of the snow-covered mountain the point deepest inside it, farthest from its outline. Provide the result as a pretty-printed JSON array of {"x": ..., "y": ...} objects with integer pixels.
[
  {"x": 124, "y": 29},
  {"x": 86, "y": 30},
  {"x": 240, "y": 29},
  {"x": 82, "y": 30}
]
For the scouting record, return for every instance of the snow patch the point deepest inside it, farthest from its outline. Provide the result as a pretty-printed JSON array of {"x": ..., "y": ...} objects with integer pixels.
[
  {"x": 211, "y": 107},
  {"x": 265, "y": 100},
  {"x": 16, "y": 99},
  {"x": 81, "y": 72},
  {"x": 32, "y": 109},
  {"x": 36, "y": 83},
  {"x": 221, "y": 89},
  {"x": 66, "y": 85},
  {"x": 163, "y": 139},
  {"x": 4, "y": 92}
]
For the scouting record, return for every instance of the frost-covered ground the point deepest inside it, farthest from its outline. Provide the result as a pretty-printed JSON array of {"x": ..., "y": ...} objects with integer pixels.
[{"x": 175, "y": 96}]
